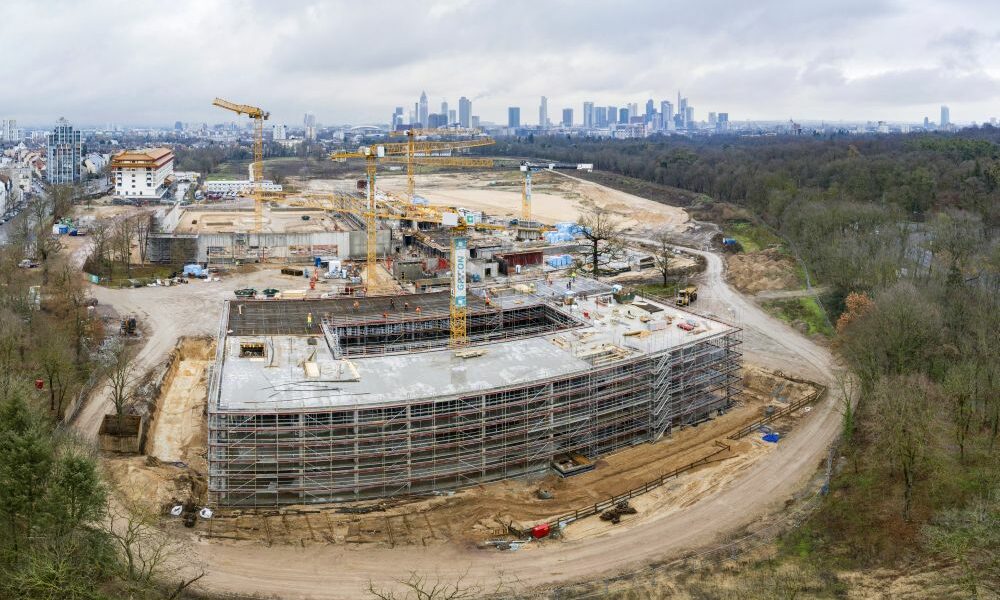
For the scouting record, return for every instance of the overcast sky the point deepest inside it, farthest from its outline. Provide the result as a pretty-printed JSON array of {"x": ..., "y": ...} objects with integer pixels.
[{"x": 136, "y": 62}]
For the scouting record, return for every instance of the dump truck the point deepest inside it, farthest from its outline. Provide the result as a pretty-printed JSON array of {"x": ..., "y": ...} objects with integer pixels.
[{"x": 686, "y": 295}]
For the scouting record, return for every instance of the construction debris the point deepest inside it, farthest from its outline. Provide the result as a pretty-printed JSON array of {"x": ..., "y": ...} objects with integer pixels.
[{"x": 614, "y": 515}]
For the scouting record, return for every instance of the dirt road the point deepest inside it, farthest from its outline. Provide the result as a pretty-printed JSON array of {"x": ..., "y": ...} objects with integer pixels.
[
  {"x": 166, "y": 314},
  {"x": 343, "y": 571}
]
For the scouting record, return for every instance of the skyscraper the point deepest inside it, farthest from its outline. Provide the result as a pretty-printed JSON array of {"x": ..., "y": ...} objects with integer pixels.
[
  {"x": 612, "y": 115},
  {"x": 722, "y": 122},
  {"x": 543, "y": 113},
  {"x": 444, "y": 108},
  {"x": 9, "y": 131},
  {"x": 513, "y": 116},
  {"x": 567, "y": 120},
  {"x": 452, "y": 117},
  {"x": 600, "y": 116},
  {"x": 422, "y": 111},
  {"x": 945, "y": 116},
  {"x": 397, "y": 118},
  {"x": 666, "y": 114},
  {"x": 588, "y": 115},
  {"x": 689, "y": 116},
  {"x": 650, "y": 111},
  {"x": 65, "y": 147},
  {"x": 623, "y": 116},
  {"x": 309, "y": 122},
  {"x": 464, "y": 112}
]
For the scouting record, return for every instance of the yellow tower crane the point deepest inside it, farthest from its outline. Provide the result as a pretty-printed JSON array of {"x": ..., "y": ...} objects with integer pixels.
[
  {"x": 475, "y": 139},
  {"x": 372, "y": 154},
  {"x": 258, "y": 115}
]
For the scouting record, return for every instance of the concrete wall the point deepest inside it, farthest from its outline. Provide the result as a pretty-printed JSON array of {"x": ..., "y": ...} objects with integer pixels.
[{"x": 290, "y": 247}]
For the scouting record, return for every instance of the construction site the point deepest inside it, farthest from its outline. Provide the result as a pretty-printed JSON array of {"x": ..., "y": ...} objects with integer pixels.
[
  {"x": 332, "y": 400},
  {"x": 401, "y": 367},
  {"x": 436, "y": 346}
]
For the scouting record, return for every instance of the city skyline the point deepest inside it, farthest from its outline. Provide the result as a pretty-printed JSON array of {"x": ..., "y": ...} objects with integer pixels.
[{"x": 846, "y": 66}]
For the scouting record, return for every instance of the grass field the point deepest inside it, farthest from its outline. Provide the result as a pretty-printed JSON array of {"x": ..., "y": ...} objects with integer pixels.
[
  {"x": 801, "y": 310},
  {"x": 752, "y": 237}
]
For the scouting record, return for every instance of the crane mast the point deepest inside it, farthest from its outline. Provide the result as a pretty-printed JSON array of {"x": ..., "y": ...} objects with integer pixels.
[
  {"x": 528, "y": 168},
  {"x": 258, "y": 115}
]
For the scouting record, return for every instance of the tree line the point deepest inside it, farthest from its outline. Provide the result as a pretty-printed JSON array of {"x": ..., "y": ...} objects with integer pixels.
[
  {"x": 64, "y": 534},
  {"x": 903, "y": 230}
]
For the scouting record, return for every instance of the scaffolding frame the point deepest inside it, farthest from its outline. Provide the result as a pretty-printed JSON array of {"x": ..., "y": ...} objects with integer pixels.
[{"x": 362, "y": 451}]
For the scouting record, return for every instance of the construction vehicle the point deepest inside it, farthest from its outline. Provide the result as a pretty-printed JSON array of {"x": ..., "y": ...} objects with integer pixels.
[
  {"x": 129, "y": 325},
  {"x": 245, "y": 293},
  {"x": 258, "y": 115},
  {"x": 686, "y": 295}
]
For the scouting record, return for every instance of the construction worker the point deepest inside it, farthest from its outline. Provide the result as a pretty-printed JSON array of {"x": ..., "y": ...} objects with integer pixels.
[
  {"x": 392, "y": 303},
  {"x": 357, "y": 306},
  {"x": 406, "y": 306},
  {"x": 418, "y": 310}
]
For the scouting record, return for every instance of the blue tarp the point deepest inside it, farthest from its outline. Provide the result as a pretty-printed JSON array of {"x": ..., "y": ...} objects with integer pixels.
[
  {"x": 194, "y": 270},
  {"x": 772, "y": 437}
]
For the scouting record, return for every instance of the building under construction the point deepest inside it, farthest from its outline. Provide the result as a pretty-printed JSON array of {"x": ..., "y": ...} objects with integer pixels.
[{"x": 348, "y": 399}]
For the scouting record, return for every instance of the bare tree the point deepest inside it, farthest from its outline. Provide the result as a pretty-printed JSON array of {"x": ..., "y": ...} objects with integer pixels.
[
  {"x": 121, "y": 369},
  {"x": 902, "y": 410},
  {"x": 100, "y": 245},
  {"x": 604, "y": 233},
  {"x": 121, "y": 242},
  {"x": 56, "y": 363},
  {"x": 146, "y": 551},
  {"x": 426, "y": 587},
  {"x": 71, "y": 301},
  {"x": 143, "y": 227},
  {"x": 958, "y": 235},
  {"x": 664, "y": 255}
]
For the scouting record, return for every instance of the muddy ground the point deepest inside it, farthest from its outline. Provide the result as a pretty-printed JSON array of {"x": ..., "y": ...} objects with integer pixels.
[
  {"x": 177, "y": 470},
  {"x": 769, "y": 269}
]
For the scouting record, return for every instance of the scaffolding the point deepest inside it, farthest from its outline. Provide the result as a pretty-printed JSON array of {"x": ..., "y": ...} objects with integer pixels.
[{"x": 270, "y": 458}]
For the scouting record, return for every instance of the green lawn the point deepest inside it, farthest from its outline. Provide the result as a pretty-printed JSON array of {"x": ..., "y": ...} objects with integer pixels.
[
  {"x": 658, "y": 289},
  {"x": 752, "y": 237},
  {"x": 143, "y": 274},
  {"x": 805, "y": 310}
]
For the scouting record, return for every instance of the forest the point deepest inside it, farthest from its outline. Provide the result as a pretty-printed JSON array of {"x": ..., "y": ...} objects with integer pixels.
[{"x": 903, "y": 231}]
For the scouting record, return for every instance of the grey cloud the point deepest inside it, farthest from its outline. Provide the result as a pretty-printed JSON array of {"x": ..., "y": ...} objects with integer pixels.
[{"x": 348, "y": 61}]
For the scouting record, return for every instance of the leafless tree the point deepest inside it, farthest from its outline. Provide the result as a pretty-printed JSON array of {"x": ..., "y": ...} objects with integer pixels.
[
  {"x": 143, "y": 227},
  {"x": 56, "y": 364},
  {"x": 146, "y": 551},
  {"x": 121, "y": 242},
  {"x": 121, "y": 369},
  {"x": 427, "y": 587},
  {"x": 100, "y": 247},
  {"x": 902, "y": 411},
  {"x": 604, "y": 234},
  {"x": 664, "y": 255}
]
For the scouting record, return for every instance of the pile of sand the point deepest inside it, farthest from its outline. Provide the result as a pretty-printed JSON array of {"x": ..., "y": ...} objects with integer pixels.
[{"x": 765, "y": 270}]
